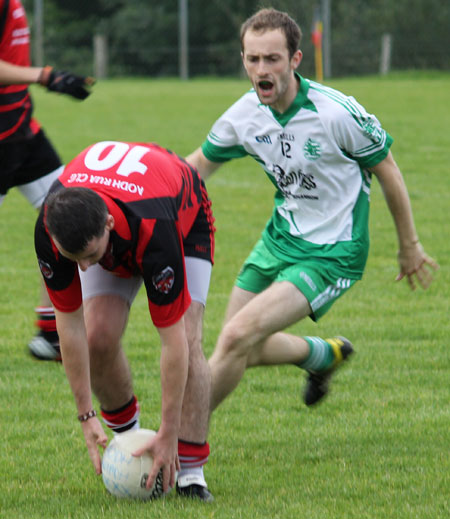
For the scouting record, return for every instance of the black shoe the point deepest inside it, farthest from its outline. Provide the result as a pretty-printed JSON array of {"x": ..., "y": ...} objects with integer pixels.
[
  {"x": 45, "y": 346},
  {"x": 318, "y": 383},
  {"x": 195, "y": 491}
]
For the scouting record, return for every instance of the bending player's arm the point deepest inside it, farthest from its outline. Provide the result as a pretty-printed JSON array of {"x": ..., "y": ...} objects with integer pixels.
[
  {"x": 53, "y": 80},
  {"x": 75, "y": 354},
  {"x": 204, "y": 166},
  {"x": 411, "y": 256},
  {"x": 174, "y": 368}
]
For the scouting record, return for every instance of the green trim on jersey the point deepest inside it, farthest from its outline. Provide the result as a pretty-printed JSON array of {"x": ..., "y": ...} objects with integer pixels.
[
  {"x": 220, "y": 154},
  {"x": 376, "y": 158},
  {"x": 301, "y": 101}
]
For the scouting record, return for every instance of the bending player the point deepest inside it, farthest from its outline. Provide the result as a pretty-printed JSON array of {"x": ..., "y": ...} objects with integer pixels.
[{"x": 119, "y": 216}]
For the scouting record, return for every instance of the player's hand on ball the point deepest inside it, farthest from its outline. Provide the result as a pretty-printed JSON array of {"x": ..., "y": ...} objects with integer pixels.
[
  {"x": 164, "y": 451},
  {"x": 125, "y": 475},
  {"x": 66, "y": 82},
  {"x": 95, "y": 437}
]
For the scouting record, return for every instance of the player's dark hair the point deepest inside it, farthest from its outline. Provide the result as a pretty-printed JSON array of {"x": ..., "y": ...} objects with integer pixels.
[
  {"x": 271, "y": 19},
  {"x": 75, "y": 216}
]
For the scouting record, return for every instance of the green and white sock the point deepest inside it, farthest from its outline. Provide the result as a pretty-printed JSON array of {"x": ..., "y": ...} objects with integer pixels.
[{"x": 321, "y": 355}]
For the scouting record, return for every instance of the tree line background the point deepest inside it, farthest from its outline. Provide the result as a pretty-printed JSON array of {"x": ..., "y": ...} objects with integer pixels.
[{"x": 142, "y": 35}]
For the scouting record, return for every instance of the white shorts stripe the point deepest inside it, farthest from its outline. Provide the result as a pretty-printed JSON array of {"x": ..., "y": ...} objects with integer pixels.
[{"x": 330, "y": 293}]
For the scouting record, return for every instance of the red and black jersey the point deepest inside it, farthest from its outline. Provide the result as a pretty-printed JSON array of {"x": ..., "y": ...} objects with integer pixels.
[
  {"x": 16, "y": 107},
  {"x": 161, "y": 212}
]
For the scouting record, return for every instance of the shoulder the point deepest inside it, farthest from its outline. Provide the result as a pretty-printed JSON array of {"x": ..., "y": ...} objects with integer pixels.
[
  {"x": 244, "y": 106},
  {"x": 245, "y": 113},
  {"x": 332, "y": 104}
]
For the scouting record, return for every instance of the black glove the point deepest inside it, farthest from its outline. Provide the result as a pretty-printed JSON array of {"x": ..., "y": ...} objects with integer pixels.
[{"x": 65, "y": 82}]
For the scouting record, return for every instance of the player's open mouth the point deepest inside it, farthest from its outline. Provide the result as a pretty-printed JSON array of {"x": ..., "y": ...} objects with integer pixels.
[{"x": 265, "y": 85}]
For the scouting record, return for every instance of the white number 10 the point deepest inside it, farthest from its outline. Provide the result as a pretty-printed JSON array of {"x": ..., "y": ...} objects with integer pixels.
[{"x": 119, "y": 152}]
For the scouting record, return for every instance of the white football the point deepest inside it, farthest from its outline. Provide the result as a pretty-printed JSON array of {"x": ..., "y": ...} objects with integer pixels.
[{"x": 125, "y": 475}]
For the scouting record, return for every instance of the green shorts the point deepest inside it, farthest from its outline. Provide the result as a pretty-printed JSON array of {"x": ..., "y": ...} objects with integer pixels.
[{"x": 315, "y": 280}]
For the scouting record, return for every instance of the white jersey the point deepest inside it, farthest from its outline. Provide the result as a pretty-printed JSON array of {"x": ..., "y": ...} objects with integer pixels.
[{"x": 316, "y": 154}]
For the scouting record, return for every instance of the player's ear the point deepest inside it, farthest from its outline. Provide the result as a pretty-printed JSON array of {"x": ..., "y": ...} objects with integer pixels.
[
  {"x": 110, "y": 222},
  {"x": 296, "y": 59}
]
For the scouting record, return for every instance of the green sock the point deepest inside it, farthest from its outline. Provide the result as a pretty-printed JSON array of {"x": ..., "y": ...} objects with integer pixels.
[{"x": 321, "y": 355}]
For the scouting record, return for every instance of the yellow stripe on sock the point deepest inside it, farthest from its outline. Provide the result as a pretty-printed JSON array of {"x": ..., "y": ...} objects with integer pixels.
[{"x": 336, "y": 344}]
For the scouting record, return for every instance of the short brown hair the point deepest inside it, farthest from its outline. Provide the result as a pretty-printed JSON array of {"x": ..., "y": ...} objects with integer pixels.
[
  {"x": 74, "y": 216},
  {"x": 271, "y": 19}
]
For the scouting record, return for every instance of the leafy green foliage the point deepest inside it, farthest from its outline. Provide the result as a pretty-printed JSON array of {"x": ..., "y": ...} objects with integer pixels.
[{"x": 143, "y": 36}]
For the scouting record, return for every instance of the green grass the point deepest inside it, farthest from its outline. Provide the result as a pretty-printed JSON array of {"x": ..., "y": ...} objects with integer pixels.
[{"x": 379, "y": 446}]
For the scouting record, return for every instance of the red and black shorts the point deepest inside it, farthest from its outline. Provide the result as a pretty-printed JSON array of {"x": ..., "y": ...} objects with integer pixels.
[
  {"x": 199, "y": 243},
  {"x": 25, "y": 161}
]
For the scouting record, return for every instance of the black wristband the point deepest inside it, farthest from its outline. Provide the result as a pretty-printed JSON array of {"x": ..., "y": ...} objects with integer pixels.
[{"x": 85, "y": 417}]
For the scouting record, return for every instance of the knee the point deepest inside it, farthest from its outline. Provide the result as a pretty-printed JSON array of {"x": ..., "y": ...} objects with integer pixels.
[{"x": 235, "y": 339}]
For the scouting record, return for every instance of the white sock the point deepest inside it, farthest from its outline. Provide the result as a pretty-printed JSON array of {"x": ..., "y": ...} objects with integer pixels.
[{"x": 191, "y": 476}]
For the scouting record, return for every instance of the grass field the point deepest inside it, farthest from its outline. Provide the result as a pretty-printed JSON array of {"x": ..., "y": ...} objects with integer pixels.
[{"x": 379, "y": 448}]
